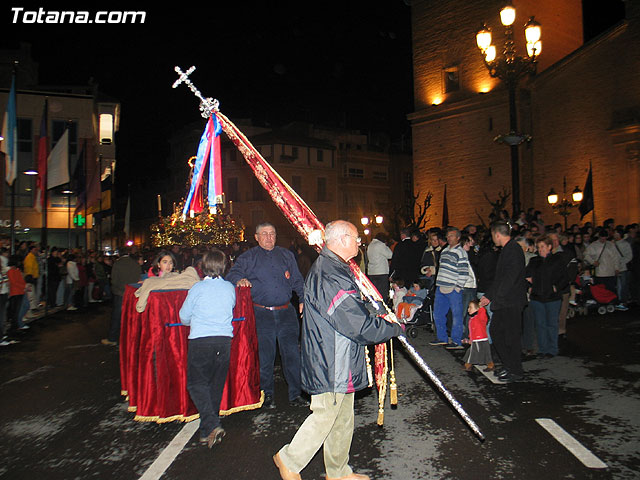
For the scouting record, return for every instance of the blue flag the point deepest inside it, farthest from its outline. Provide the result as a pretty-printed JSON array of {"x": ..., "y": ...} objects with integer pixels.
[{"x": 10, "y": 134}]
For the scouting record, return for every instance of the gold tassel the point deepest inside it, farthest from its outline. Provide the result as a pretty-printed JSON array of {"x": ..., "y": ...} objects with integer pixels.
[
  {"x": 380, "y": 417},
  {"x": 393, "y": 388},
  {"x": 369, "y": 372}
]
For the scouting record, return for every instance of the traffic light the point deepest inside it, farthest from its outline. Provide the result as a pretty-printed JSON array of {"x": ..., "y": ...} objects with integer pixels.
[{"x": 79, "y": 220}]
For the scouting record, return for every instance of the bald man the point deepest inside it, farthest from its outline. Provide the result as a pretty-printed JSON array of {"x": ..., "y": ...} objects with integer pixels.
[{"x": 336, "y": 327}]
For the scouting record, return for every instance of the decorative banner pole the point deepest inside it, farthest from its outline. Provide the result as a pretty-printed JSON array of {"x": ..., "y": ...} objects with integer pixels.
[{"x": 311, "y": 229}]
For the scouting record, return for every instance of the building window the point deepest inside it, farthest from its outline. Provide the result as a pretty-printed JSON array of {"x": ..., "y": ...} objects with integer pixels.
[
  {"x": 320, "y": 156},
  {"x": 232, "y": 189},
  {"x": 257, "y": 217},
  {"x": 322, "y": 189},
  {"x": 451, "y": 80},
  {"x": 355, "y": 172},
  {"x": 380, "y": 175},
  {"x": 257, "y": 191},
  {"x": 294, "y": 152},
  {"x": 296, "y": 183},
  {"x": 57, "y": 129}
]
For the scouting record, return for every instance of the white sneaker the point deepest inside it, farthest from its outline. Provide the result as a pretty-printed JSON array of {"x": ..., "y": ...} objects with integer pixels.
[
  {"x": 71, "y": 308},
  {"x": 24, "y": 327}
]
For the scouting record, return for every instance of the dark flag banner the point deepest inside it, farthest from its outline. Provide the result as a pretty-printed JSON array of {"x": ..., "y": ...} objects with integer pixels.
[
  {"x": 586, "y": 205},
  {"x": 445, "y": 211}
]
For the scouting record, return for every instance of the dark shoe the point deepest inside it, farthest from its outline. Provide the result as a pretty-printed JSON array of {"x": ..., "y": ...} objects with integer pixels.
[
  {"x": 499, "y": 371},
  {"x": 453, "y": 346},
  {"x": 436, "y": 343},
  {"x": 215, "y": 437},
  {"x": 298, "y": 402},
  {"x": 268, "y": 402},
  {"x": 285, "y": 473},
  {"x": 502, "y": 374},
  {"x": 511, "y": 378},
  {"x": 548, "y": 355}
]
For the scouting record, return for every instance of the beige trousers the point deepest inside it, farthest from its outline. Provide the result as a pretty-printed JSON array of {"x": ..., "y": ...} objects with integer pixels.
[{"x": 330, "y": 426}]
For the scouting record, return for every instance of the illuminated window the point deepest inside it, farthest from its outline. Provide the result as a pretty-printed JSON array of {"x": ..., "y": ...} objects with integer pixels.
[{"x": 451, "y": 80}]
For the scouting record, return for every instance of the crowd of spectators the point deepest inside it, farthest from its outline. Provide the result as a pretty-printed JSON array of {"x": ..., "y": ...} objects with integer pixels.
[{"x": 458, "y": 265}]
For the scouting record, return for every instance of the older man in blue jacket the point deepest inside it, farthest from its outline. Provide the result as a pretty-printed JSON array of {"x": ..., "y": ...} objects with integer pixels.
[{"x": 336, "y": 327}]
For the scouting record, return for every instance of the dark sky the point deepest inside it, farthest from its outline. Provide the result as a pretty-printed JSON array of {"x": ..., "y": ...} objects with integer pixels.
[
  {"x": 319, "y": 61},
  {"x": 326, "y": 62}
]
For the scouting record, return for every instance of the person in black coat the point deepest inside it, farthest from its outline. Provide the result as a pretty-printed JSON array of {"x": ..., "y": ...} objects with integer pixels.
[
  {"x": 547, "y": 275},
  {"x": 404, "y": 264},
  {"x": 507, "y": 297}
]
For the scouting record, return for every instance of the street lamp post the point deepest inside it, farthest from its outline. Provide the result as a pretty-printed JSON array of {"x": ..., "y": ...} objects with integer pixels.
[
  {"x": 564, "y": 206},
  {"x": 367, "y": 221},
  {"x": 510, "y": 68}
]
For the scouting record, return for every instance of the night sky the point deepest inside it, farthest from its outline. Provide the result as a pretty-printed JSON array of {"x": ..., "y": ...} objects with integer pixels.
[{"x": 334, "y": 62}]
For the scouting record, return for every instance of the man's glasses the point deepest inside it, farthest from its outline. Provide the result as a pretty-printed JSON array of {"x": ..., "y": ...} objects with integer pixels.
[{"x": 358, "y": 239}]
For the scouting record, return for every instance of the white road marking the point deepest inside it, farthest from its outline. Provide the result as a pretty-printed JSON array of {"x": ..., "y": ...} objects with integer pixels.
[
  {"x": 29, "y": 375},
  {"x": 169, "y": 454},
  {"x": 489, "y": 375},
  {"x": 576, "y": 448}
]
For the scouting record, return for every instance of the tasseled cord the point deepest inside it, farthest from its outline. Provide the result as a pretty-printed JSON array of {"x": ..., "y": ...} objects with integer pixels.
[{"x": 393, "y": 388}]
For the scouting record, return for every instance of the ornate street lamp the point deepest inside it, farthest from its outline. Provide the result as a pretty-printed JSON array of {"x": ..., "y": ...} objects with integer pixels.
[
  {"x": 565, "y": 206},
  {"x": 366, "y": 221},
  {"x": 510, "y": 68}
]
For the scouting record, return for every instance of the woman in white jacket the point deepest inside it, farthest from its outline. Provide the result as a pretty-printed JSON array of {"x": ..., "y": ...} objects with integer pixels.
[
  {"x": 379, "y": 254},
  {"x": 73, "y": 277}
]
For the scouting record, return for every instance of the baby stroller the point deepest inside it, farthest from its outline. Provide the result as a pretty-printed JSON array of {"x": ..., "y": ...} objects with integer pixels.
[
  {"x": 423, "y": 316},
  {"x": 590, "y": 296}
]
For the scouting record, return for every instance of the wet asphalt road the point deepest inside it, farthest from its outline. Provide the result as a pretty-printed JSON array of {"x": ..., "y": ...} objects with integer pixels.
[{"x": 62, "y": 416}]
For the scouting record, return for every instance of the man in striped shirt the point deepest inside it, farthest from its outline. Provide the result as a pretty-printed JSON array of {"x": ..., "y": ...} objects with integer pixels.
[{"x": 453, "y": 273}]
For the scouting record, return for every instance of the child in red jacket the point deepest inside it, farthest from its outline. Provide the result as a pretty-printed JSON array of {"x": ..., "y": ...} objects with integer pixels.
[
  {"x": 17, "y": 289},
  {"x": 479, "y": 353}
]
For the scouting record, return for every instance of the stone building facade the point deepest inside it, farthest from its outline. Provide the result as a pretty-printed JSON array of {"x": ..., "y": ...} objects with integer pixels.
[{"x": 580, "y": 109}]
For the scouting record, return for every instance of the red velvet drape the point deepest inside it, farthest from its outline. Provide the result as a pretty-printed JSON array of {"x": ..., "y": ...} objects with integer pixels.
[{"x": 153, "y": 358}]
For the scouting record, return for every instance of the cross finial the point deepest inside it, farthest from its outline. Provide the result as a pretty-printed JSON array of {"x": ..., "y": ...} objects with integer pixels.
[{"x": 207, "y": 105}]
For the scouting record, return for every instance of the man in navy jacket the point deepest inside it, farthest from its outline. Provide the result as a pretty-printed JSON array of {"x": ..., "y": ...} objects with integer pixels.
[{"x": 336, "y": 327}]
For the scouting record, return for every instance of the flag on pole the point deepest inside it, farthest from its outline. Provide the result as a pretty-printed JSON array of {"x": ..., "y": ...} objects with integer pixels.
[
  {"x": 10, "y": 134},
  {"x": 58, "y": 162},
  {"x": 586, "y": 205},
  {"x": 445, "y": 210},
  {"x": 127, "y": 218},
  {"x": 43, "y": 153},
  {"x": 208, "y": 151}
]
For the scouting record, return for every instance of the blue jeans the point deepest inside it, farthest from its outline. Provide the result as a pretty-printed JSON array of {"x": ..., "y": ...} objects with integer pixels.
[
  {"x": 283, "y": 327},
  {"x": 528, "y": 328},
  {"x": 443, "y": 303},
  {"x": 546, "y": 317}
]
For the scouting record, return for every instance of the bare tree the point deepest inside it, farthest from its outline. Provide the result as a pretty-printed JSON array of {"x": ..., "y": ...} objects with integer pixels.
[{"x": 498, "y": 205}]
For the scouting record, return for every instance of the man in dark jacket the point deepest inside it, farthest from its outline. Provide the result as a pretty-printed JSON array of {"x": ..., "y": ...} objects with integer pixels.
[
  {"x": 404, "y": 264},
  {"x": 126, "y": 270},
  {"x": 336, "y": 327},
  {"x": 507, "y": 297},
  {"x": 273, "y": 275}
]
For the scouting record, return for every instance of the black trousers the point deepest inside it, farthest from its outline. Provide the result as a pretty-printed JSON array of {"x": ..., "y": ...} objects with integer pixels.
[
  {"x": 381, "y": 282},
  {"x": 207, "y": 367},
  {"x": 506, "y": 334}
]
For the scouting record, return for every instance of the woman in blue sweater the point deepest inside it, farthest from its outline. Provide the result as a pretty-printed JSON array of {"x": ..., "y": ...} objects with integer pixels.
[{"x": 208, "y": 309}]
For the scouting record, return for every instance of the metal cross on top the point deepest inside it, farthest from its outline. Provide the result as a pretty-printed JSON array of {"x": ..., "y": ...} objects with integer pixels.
[{"x": 207, "y": 105}]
